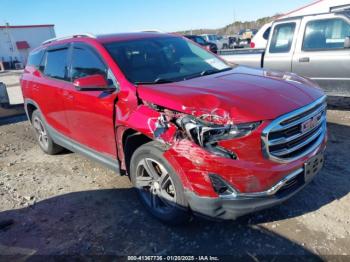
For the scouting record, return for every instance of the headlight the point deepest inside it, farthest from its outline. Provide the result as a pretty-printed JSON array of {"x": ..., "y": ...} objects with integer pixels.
[
  {"x": 208, "y": 134},
  {"x": 202, "y": 132}
]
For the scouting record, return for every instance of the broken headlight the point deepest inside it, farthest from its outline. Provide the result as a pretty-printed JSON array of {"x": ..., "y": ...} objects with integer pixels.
[{"x": 208, "y": 134}]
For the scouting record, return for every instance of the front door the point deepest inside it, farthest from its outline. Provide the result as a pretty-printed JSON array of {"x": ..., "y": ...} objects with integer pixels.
[
  {"x": 90, "y": 113},
  {"x": 279, "y": 51}
]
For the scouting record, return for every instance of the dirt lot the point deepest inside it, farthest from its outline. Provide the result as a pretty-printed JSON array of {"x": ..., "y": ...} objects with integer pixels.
[{"x": 67, "y": 204}]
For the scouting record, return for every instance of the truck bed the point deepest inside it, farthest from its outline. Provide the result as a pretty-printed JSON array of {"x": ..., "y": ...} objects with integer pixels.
[{"x": 248, "y": 57}]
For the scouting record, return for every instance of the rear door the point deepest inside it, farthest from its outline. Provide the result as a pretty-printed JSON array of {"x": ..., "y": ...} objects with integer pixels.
[
  {"x": 281, "y": 45},
  {"x": 320, "y": 53},
  {"x": 47, "y": 86},
  {"x": 90, "y": 113}
]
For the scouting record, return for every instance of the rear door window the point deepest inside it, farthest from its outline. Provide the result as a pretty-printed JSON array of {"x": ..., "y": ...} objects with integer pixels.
[
  {"x": 325, "y": 34},
  {"x": 56, "y": 63},
  {"x": 85, "y": 62},
  {"x": 282, "y": 38}
]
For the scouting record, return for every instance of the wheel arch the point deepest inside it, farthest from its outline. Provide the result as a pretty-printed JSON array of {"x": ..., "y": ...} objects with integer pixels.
[
  {"x": 30, "y": 106},
  {"x": 132, "y": 140}
]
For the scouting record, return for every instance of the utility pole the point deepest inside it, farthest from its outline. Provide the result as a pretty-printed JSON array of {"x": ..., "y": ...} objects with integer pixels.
[{"x": 10, "y": 43}]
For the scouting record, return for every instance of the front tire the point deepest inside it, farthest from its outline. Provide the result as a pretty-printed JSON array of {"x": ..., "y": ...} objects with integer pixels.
[
  {"x": 42, "y": 135},
  {"x": 158, "y": 186}
]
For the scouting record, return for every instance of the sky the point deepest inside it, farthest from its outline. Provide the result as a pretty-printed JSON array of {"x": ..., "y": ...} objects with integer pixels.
[{"x": 108, "y": 16}]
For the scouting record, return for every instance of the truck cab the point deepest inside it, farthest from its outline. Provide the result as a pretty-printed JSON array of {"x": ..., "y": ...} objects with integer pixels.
[{"x": 314, "y": 46}]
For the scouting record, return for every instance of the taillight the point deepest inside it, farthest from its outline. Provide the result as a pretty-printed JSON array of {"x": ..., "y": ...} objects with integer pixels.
[
  {"x": 207, "y": 47},
  {"x": 252, "y": 45}
]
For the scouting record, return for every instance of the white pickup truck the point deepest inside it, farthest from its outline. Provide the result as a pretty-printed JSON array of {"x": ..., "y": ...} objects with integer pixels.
[
  {"x": 314, "y": 46},
  {"x": 221, "y": 42}
]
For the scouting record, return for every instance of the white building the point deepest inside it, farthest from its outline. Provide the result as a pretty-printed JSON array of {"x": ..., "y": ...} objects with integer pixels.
[{"x": 17, "y": 41}]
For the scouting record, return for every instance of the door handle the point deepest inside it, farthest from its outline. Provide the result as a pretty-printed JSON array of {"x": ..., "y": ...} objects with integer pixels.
[{"x": 304, "y": 59}]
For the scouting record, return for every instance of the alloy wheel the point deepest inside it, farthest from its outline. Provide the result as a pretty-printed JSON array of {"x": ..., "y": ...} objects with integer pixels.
[
  {"x": 155, "y": 185},
  {"x": 41, "y": 133}
]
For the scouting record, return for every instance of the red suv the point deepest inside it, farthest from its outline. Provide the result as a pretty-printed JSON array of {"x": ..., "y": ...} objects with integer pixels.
[{"x": 195, "y": 134}]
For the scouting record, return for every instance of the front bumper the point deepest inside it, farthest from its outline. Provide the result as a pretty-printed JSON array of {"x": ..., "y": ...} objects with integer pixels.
[{"x": 231, "y": 207}]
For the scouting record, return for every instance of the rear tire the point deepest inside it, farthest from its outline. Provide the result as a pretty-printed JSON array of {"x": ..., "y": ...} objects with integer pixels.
[
  {"x": 158, "y": 186},
  {"x": 42, "y": 135}
]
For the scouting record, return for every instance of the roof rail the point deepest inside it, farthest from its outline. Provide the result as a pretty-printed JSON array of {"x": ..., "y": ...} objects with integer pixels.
[
  {"x": 68, "y": 37},
  {"x": 152, "y": 31}
]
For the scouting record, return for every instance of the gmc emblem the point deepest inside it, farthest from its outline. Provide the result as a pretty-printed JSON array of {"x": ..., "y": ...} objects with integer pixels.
[{"x": 310, "y": 123}]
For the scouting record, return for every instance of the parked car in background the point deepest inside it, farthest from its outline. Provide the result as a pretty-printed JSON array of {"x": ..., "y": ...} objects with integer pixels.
[
  {"x": 315, "y": 46},
  {"x": 259, "y": 41},
  {"x": 201, "y": 41},
  {"x": 234, "y": 41},
  {"x": 246, "y": 36},
  {"x": 196, "y": 135},
  {"x": 221, "y": 42}
]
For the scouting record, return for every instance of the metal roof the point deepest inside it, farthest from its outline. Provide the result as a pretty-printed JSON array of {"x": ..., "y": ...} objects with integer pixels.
[{"x": 25, "y": 26}]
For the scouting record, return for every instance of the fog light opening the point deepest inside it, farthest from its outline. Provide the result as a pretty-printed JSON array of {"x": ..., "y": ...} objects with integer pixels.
[{"x": 220, "y": 186}]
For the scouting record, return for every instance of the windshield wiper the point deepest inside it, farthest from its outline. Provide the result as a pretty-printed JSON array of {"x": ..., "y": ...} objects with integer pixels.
[
  {"x": 207, "y": 72},
  {"x": 157, "y": 81}
]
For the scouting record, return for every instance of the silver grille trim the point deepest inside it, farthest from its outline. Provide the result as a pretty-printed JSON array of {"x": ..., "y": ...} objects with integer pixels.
[
  {"x": 283, "y": 141},
  {"x": 271, "y": 191}
]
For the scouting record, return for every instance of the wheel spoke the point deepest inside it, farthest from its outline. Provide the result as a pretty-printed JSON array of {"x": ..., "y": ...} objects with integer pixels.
[
  {"x": 143, "y": 181},
  {"x": 45, "y": 138},
  {"x": 166, "y": 198},
  {"x": 158, "y": 187},
  {"x": 164, "y": 180},
  {"x": 42, "y": 128},
  {"x": 148, "y": 165},
  {"x": 37, "y": 126}
]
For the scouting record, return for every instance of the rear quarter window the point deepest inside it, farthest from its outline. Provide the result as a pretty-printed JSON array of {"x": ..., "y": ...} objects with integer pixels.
[{"x": 35, "y": 58}]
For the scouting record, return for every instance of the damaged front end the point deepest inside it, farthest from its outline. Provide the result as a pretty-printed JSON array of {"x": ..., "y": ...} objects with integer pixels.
[{"x": 202, "y": 128}]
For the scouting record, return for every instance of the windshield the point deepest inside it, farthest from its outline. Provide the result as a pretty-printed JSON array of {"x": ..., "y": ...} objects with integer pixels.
[{"x": 163, "y": 59}]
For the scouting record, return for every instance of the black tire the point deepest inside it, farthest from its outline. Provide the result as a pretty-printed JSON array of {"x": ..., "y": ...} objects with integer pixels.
[
  {"x": 42, "y": 135},
  {"x": 174, "y": 211}
]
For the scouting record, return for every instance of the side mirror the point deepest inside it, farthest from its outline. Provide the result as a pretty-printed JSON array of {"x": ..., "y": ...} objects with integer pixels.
[
  {"x": 92, "y": 83},
  {"x": 347, "y": 42}
]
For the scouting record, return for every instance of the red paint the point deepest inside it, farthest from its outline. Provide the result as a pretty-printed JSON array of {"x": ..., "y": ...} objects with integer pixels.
[
  {"x": 243, "y": 95},
  {"x": 22, "y": 45},
  {"x": 92, "y": 81}
]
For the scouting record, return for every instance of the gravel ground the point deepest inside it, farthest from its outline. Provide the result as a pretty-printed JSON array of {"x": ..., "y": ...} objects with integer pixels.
[{"x": 67, "y": 204}]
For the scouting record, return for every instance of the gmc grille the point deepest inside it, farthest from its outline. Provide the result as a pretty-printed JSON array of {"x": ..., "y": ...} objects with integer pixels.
[{"x": 297, "y": 133}]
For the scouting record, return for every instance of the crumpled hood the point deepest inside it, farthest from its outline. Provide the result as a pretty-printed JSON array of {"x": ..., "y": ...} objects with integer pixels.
[{"x": 245, "y": 94}]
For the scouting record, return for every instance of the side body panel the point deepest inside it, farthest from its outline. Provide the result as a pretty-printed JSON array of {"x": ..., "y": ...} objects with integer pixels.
[{"x": 47, "y": 93}]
